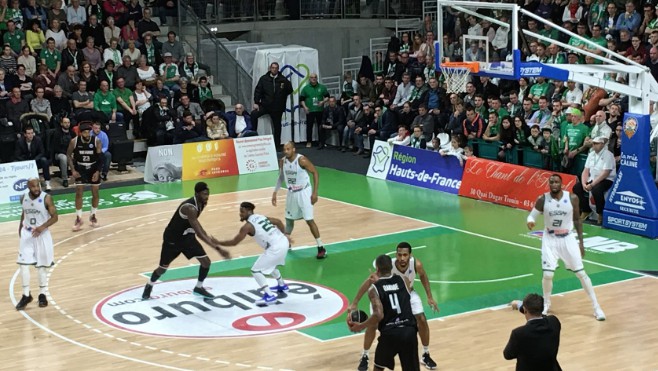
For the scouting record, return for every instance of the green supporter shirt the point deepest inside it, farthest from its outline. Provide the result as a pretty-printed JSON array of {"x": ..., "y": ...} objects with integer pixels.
[
  {"x": 313, "y": 96},
  {"x": 105, "y": 103},
  {"x": 551, "y": 34},
  {"x": 538, "y": 90},
  {"x": 576, "y": 134},
  {"x": 124, "y": 94},
  {"x": 14, "y": 40},
  {"x": 51, "y": 58}
]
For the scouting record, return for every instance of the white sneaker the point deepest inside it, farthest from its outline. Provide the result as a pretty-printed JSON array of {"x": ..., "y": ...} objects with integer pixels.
[
  {"x": 516, "y": 304},
  {"x": 598, "y": 314},
  {"x": 48, "y": 187},
  {"x": 547, "y": 307}
]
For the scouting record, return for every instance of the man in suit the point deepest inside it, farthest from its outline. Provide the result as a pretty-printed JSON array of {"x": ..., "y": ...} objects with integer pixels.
[
  {"x": 535, "y": 344},
  {"x": 30, "y": 147}
]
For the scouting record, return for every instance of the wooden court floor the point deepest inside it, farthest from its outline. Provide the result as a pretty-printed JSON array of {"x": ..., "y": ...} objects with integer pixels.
[{"x": 93, "y": 264}]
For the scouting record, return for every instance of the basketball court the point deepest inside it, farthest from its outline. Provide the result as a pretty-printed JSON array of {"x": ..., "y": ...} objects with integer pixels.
[{"x": 478, "y": 257}]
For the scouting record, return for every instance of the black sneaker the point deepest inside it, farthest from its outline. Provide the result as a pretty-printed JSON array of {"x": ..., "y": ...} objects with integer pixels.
[
  {"x": 146, "y": 295},
  {"x": 43, "y": 302},
  {"x": 203, "y": 292},
  {"x": 322, "y": 252},
  {"x": 363, "y": 364},
  {"x": 427, "y": 361},
  {"x": 25, "y": 300},
  {"x": 65, "y": 183}
]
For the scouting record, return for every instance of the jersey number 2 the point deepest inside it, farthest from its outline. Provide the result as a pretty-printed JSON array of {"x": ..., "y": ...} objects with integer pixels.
[{"x": 266, "y": 225}]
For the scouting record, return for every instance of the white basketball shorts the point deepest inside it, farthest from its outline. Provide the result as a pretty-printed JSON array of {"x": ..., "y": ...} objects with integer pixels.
[
  {"x": 565, "y": 248},
  {"x": 36, "y": 250},
  {"x": 298, "y": 204},
  {"x": 271, "y": 258}
]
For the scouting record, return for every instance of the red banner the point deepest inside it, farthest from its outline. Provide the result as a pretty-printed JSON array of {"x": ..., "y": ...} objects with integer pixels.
[{"x": 507, "y": 184}]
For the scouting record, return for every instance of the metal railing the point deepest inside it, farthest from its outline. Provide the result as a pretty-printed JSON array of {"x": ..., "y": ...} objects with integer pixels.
[
  {"x": 332, "y": 83},
  {"x": 227, "y": 72}
]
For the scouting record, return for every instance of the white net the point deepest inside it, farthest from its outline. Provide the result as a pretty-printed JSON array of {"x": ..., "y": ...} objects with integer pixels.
[{"x": 456, "y": 78}]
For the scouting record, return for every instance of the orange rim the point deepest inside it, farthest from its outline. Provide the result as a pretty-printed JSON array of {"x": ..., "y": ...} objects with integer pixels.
[{"x": 473, "y": 66}]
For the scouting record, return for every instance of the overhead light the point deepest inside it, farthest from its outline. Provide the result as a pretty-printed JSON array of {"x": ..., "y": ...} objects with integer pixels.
[{"x": 213, "y": 29}]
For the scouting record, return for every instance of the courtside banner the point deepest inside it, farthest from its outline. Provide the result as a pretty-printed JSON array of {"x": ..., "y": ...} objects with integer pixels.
[
  {"x": 13, "y": 179},
  {"x": 507, "y": 184},
  {"x": 211, "y": 159},
  {"x": 256, "y": 154},
  {"x": 380, "y": 160},
  {"x": 164, "y": 164},
  {"x": 424, "y": 168}
]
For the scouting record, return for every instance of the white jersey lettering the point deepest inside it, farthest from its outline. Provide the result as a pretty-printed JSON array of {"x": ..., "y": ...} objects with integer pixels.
[
  {"x": 295, "y": 176},
  {"x": 267, "y": 234},
  {"x": 558, "y": 214},
  {"x": 35, "y": 212}
]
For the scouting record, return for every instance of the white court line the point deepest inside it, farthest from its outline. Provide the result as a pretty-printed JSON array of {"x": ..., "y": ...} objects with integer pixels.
[{"x": 483, "y": 281}]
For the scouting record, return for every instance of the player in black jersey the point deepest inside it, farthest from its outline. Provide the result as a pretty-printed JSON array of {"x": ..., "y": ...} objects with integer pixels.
[
  {"x": 391, "y": 309},
  {"x": 180, "y": 237},
  {"x": 86, "y": 162}
]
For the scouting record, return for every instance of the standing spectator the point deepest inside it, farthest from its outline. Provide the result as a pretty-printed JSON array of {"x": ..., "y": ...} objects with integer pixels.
[
  {"x": 174, "y": 47},
  {"x": 106, "y": 156},
  {"x": 597, "y": 177},
  {"x": 15, "y": 14},
  {"x": 312, "y": 99},
  {"x": 534, "y": 345},
  {"x": 239, "y": 123},
  {"x": 30, "y": 147},
  {"x": 473, "y": 125},
  {"x": 270, "y": 97},
  {"x": 574, "y": 138},
  {"x": 13, "y": 37}
]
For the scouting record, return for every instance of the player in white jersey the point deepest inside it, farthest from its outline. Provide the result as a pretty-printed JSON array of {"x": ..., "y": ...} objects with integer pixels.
[
  {"x": 408, "y": 266},
  {"x": 561, "y": 213},
  {"x": 271, "y": 236},
  {"x": 302, "y": 195},
  {"x": 36, "y": 246}
]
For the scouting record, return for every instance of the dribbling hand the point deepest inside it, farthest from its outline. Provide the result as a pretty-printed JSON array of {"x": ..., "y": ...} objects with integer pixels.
[{"x": 224, "y": 253}]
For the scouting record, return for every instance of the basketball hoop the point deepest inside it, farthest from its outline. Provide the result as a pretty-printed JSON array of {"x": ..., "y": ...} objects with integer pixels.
[{"x": 456, "y": 75}]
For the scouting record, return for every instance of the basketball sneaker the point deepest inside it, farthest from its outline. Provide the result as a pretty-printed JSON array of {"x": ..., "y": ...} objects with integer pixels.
[
  {"x": 598, "y": 314},
  {"x": 146, "y": 295},
  {"x": 93, "y": 221},
  {"x": 200, "y": 291},
  {"x": 43, "y": 302},
  {"x": 280, "y": 288},
  {"x": 25, "y": 300},
  {"x": 266, "y": 300},
  {"x": 78, "y": 224},
  {"x": 322, "y": 252},
  {"x": 363, "y": 363},
  {"x": 427, "y": 361},
  {"x": 547, "y": 307}
]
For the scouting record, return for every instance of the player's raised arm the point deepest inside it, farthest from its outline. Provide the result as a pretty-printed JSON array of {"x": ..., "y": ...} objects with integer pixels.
[
  {"x": 279, "y": 182},
  {"x": 307, "y": 165},
  {"x": 578, "y": 224},
  {"x": 426, "y": 285},
  {"x": 362, "y": 290},
  {"x": 537, "y": 210}
]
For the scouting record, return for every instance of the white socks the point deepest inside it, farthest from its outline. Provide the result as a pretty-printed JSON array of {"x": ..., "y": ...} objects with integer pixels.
[
  {"x": 547, "y": 287},
  {"x": 277, "y": 276},
  {"x": 319, "y": 241},
  {"x": 586, "y": 282},
  {"x": 43, "y": 280},
  {"x": 25, "y": 278},
  {"x": 262, "y": 282},
  {"x": 78, "y": 213}
]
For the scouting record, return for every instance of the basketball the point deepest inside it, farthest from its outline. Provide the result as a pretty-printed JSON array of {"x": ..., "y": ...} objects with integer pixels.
[{"x": 358, "y": 316}]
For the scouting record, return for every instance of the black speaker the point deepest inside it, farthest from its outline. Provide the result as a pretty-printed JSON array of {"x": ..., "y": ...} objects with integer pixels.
[{"x": 122, "y": 152}]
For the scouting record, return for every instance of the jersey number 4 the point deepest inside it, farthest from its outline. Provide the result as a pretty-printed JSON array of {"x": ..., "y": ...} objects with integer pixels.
[
  {"x": 395, "y": 303},
  {"x": 266, "y": 225}
]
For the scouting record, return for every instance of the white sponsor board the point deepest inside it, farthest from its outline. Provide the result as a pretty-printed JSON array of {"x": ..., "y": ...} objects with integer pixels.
[
  {"x": 255, "y": 154},
  {"x": 164, "y": 164},
  {"x": 173, "y": 310},
  {"x": 380, "y": 160},
  {"x": 13, "y": 179}
]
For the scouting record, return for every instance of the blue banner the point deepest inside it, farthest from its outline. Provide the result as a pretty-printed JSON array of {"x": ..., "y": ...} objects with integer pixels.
[
  {"x": 427, "y": 169},
  {"x": 632, "y": 203}
]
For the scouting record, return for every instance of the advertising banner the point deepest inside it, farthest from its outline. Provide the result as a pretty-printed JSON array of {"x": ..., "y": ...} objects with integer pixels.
[
  {"x": 425, "y": 169},
  {"x": 256, "y": 154},
  {"x": 13, "y": 179},
  {"x": 209, "y": 159},
  {"x": 632, "y": 202},
  {"x": 164, "y": 164},
  {"x": 380, "y": 160},
  {"x": 507, "y": 184}
]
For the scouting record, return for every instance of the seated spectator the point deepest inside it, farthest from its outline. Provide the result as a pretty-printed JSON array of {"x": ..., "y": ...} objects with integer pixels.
[
  {"x": 57, "y": 12},
  {"x": 4, "y": 88},
  {"x": 492, "y": 132},
  {"x": 112, "y": 53},
  {"x": 51, "y": 57},
  {"x": 93, "y": 55},
  {"x": 71, "y": 56},
  {"x": 129, "y": 33},
  {"x": 125, "y": 101},
  {"x": 111, "y": 31},
  {"x": 89, "y": 76},
  {"x": 75, "y": 14},
  {"x": 186, "y": 89},
  {"x": 367, "y": 127},
  {"x": 417, "y": 139},
  {"x": 45, "y": 80},
  {"x": 76, "y": 35},
  {"x": 128, "y": 73},
  {"x": 57, "y": 34},
  {"x": 402, "y": 139},
  {"x": 16, "y": 107},
  {"x": 406, "y": 116},
  {"x": 142, "y": 99},
  {"x": 365, "y": 89},
  {"x": 36, "y": 14},
  {"x": 30, "y": 147},
  {"x": 15, "y": 14},
  {"x": 117, "y": 10},
  {"x": 355, "y": 118},
  {"x": 150, "y": 51},
  {"x": 204, "y": 90},
  {"x": 173, "y": 47},
  {"x": 536, "y": 140},
  {"x": 192, "y": 69},
  {"x": 419, "y": 93},
  {"x": 108, "y": 75},
  {"x": 134, "y": 11},
  {"x": 425, "y": 121},
  {"x": 160, "y": 90},
  {"x": 8, "y": 61},
  {"x": 169, "y": 72},
  {"x": 164, "y": 122},
  {"x": 68, "y": 81},
  {"x": 403, "y": 91},
  {"x": 169, "y": 8},
  {"x": 61, "y": 139},
  {"x": 95, "y": 9},
  {"x": 188, "y": 131},
  {"x": 454, "y": 149},
  {"x": 146, "y": 72},
  {"x": 333, "y": 118},
  {"x": 28, "y": 61},
  {"x": 597, "y": 177},
  {"x": 106, "y": 102},
  {"x": 59, "y": 105},
  {"x": 13, "y": 37},
  {"x": 40, "y": 105},
  {"x": 216, "y": 126},
  {"x": 473, "y": 125},
  {"x": 96, "y": 132},
  {"x": 456, "y": 119},
  {"x": 132, "y": 52},
  {"x": 194, "y": 108},
  {"x": 23, "y": 82}
]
